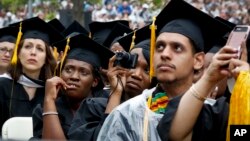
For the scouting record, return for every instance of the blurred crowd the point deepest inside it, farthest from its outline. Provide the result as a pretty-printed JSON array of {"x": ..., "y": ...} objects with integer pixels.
[{"x": 139, "y": 14}]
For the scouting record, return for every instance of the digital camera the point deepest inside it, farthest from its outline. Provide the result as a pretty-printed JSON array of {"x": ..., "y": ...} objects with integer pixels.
[{"x": 126, "y": 60}]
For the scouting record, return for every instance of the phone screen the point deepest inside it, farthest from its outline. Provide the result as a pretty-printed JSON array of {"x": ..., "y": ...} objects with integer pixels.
[{"x": 237, "y": 36}]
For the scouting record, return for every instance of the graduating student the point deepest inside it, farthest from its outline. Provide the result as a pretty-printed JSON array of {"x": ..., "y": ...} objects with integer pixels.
[
  {"x": 32, "y": 63},
  {"x": 7, "y": 44},
  {"x": 79, "y": 79},
  {"x": 92, "y": 112},
  {"x": 105, "y": 33},
  {"x": 178, "y": 53}
]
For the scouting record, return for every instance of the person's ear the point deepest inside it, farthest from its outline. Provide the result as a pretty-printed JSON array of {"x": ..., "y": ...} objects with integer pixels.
[
  {"x": 199, "y": 60},
  {"x": 95, "y": 82}
]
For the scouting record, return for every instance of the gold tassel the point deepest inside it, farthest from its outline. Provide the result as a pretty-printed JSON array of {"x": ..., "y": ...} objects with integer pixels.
[
  {"x": 19, "y": 36},
  {"x": 55, "y": 53},
  {"x": 239, "y": 110},
  {"x": 67, "y": 47},
  {"x": 152, "y": 47},
  {"x": 132, "y": 42}
]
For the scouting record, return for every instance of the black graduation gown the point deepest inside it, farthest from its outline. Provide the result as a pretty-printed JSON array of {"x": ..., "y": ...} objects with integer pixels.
[
  {"x": 88, "y": 119},
  {"x": 211, "y": 124},
  {"x": 21, "y": 106},
  {"x": 64, "y": 113}
]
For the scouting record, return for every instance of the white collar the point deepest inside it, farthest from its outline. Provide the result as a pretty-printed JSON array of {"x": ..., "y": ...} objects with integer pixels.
[{"x": 24, "y": 80}]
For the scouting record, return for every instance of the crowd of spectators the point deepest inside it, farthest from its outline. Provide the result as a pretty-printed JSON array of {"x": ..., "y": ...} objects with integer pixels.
[{"x": 236, "y": 11}]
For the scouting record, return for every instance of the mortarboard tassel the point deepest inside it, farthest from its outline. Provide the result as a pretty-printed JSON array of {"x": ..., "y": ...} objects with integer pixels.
[
  {"x": 55, "y": 53},
  {"x": 152, "y": 47},
  {"x": 133, "y": 41},
  {"x": 19, "y": 36},
  {"x": 239, "y": 110},
  {"x": 67, "y": 47}
]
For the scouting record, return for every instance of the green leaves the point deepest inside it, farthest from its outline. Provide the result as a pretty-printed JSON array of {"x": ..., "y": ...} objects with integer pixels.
[{"x": 13, "y": 5}]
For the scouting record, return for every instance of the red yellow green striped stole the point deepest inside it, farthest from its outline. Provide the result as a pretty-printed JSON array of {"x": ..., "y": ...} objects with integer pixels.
[{"x": 158, "y": 102}]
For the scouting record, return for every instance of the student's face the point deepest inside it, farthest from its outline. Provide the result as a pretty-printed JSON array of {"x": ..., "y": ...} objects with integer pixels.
[
  {"x": 32, "y": 55},
  {"x": 174, "y": 59},
  {"x": 138, "y": 78},
  {"x": 80, "y": 75},
  {"x": 6, "y": 51}
]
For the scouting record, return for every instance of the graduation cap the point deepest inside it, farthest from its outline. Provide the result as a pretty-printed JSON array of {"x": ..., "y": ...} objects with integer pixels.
[
  {"x": 133, "y": 38},
  {"x": 100, "y": 30},
  {"x": 230, "y": 26},
  {"x": 82, "y": 48},
  {"x": 226, "y": 22},
  {"x": 191, "y": 22},
  {"x": 75, "y": 28},
  {"x": 8, "y": 34},
  {"x": 57, "y": 25},
  {"x": 116, "y": 33},
  {"x": 35, "y": 28}
]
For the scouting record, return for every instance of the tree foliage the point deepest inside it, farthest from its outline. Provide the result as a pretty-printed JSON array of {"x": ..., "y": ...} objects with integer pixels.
[{"x": 12, "y": 5}]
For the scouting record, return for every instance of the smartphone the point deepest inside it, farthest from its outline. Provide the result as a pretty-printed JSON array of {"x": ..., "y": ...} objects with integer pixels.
[{"x": 238, "y": 35}]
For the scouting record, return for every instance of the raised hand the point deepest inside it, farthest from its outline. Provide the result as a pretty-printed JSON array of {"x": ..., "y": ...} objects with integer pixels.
[
  {"x": 116, "y": 76},
  {"x": 218, "y": 69},
  {"x": 53, "y": 85}
]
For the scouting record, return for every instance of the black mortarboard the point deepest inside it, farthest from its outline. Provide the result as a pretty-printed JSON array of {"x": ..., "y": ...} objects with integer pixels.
[
  {"x": 57, "y": 25},
  {"x": 230, "y": 26},
  {"x": 85, "y": 49},
  {"x": 191, "y": 22},
  {"x": 75, "y": 28},
  {"x": 116, "y": 33},
  {"x": 140, "y": 35},
  {"x": 226, "y": 22},
  {"x": 8, "y": 34},
  {"x": 39, "y": 29},
  {"x": 100, "y": 30}
]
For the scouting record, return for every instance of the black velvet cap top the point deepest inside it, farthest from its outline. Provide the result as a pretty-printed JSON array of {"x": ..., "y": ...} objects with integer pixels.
[
  {"x": 116, "y": 33},
  {"x": 100, "y": 30},
  {"x": 140, "y": 35},
  {"x": 38, "y": 29},
  {"x": 202, "y": 29},
  {"x": 57, "y": 25},
  {"x": 75, "y": 28}
]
